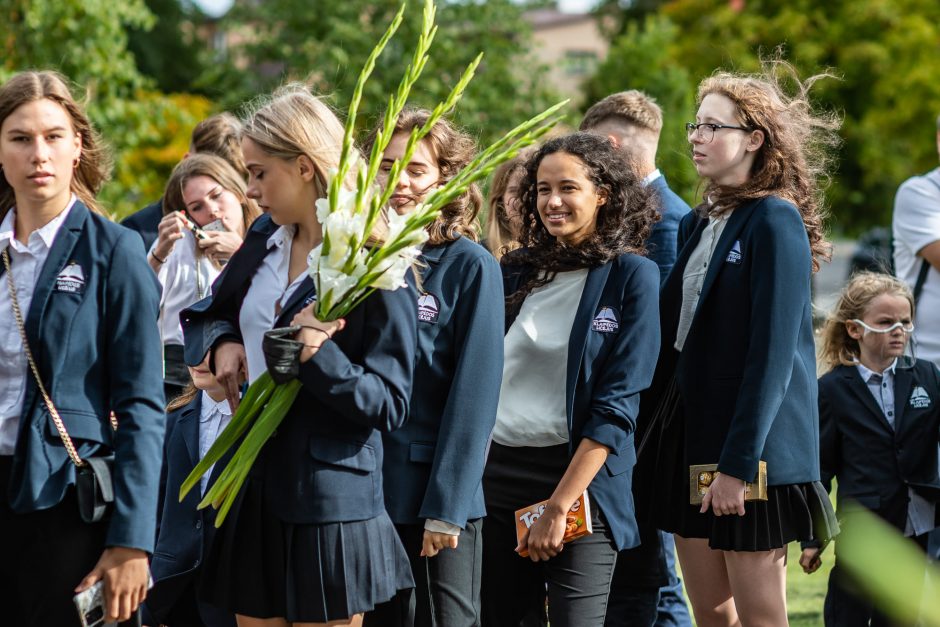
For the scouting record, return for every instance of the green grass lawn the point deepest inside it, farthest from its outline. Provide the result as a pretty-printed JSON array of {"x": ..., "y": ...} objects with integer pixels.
[{"x": 805, "y": 593}]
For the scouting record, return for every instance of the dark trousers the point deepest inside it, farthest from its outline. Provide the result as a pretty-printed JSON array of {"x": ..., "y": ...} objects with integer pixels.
[
  {"x": 45, "y": 554},
  {"x": 447, "y": 586},
  {"x": 846, "y": 607},
  {"x": 514, "y": 589}
]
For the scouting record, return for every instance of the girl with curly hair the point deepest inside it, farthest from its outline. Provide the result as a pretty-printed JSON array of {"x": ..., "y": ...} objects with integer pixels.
[
  {"x": 736, "y": 381},
  {"x": 434, "y": 464},
  {"x": 581, "y": 344}
]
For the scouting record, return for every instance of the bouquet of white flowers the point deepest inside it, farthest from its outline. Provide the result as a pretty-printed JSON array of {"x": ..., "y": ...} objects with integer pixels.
[{"x": 365, "y": 246}]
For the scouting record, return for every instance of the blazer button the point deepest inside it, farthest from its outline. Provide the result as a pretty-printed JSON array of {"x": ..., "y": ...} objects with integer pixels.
[{"x": 198, "y": 524}]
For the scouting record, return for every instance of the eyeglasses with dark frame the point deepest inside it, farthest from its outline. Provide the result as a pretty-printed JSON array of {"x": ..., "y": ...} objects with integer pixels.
[{"x": 706, "y": 130}]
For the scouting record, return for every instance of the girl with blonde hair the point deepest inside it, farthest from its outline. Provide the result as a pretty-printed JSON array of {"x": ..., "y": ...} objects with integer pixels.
[{"x": 308, "y": 540}]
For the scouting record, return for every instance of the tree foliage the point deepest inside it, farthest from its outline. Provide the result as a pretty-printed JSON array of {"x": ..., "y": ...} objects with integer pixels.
[
  {"x": 86, "y": 41},
  {"x": 886, "y": 53},
  {"x": 642, "y": 58},
  {"x": 327, "y": 46}
]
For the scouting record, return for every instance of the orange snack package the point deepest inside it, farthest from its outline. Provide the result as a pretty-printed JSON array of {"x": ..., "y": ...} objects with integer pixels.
[{"x": 578, "y": 520}]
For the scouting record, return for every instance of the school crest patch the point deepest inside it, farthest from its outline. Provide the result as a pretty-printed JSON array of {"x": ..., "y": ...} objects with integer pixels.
[
  {"x": 606, "y": 321},
  {"x": 429, "y": 308},
  {"x": 919, "y": 398},
  {"x": 71, "y": 279},
  {"x": 734, "y": 255}
]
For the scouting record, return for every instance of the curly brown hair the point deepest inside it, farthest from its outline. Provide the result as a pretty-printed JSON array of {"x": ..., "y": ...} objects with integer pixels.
[
  {"x": 453, "y": 149},
  {"x": 500, "y": 238},
  {"x": 793, "y": 161},
  {"x": 623, "y": 222}
]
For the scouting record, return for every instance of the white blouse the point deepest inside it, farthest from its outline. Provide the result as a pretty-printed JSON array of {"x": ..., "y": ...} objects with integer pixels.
[
  {"x": 269, "y": 289},
  {"x": 185, "y": 278},
  {"x": 531, "y": 408},
  {"x": 694, "y": 275}
]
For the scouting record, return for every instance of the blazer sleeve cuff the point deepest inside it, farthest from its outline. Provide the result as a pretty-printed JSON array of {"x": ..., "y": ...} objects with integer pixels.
[
  {"x": 610, "y": 435},
  {"x": 743, "y": 468}
]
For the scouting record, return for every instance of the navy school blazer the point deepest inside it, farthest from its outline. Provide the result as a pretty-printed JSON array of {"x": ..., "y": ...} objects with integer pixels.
[
  {"x": 324, "y": 463},
  {"x": 92, "y": 329},
  {"x": 747, "y": 371},
  {"x": 661, "y": 244},
  {"x": 434, "y": 464},
  {"x": 610, "y": 361},
  {"x": 874, "y": 463},
  {"x": 184, "y": 532}
]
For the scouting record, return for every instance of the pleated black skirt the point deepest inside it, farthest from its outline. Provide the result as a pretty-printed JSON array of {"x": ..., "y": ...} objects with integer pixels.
[
  {"x": 794, "y": 512},
  {"x": 262, "y": 567}
]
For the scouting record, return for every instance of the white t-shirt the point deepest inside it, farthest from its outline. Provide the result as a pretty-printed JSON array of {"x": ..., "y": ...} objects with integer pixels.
[
  {"x": 531, "y": 409},
  {"x": 916, "y": 223},
  {"x": 186, "y": 279}
]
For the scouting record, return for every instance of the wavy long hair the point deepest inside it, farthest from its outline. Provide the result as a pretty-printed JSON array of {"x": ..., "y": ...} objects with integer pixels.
[
  {"x": 453, "y": 149},
  {"x": 94, "y": 165},
  {"x": 794, "y": 159},
  {"x": 623, "y": 222},
  {"x": 500, "y": 235}
]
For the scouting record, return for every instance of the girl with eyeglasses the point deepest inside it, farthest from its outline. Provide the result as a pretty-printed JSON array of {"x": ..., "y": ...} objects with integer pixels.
[
  {"x": 879, "y": 422},
  {"x": 736, "y": 382}
]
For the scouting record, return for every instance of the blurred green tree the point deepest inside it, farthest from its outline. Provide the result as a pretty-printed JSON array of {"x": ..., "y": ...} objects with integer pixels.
[
  {"x": 170, "y": 52},
  {"x": 886, "y": 53},
  {"x": 86, "y": 40},
  {"x": 643, "y": 58},
  {"x": 286, "y": 40}
]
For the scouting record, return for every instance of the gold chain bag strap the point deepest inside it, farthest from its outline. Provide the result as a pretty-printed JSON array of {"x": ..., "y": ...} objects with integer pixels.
[{"x": 94, "y": 488}]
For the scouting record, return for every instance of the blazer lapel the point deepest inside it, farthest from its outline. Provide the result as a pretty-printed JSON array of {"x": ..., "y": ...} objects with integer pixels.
[
  {"x": 244, "y": 262},
  {"x": 736, "y": 222},
  {"x": 59, "y": 254},
  {"x": 860, "y": 389},
  {"x": 189, "y": 428},
  {"x": 304, "y": 291},
  {"x": 590, "y": 297},
  {"x": 903, "y": 380}
]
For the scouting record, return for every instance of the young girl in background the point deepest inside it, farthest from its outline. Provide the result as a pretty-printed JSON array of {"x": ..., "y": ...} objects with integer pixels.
[
  {"x": 194, "y": 420},
  {"x": 203, "y": 189},
  {"x": 504, "y": 217},
  {"x": 879, "y": 427},
  {"x": 434, "y": 464}
]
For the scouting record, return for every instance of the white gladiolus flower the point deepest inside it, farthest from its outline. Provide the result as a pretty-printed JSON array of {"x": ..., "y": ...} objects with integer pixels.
[{"x": 394, "y": 269}]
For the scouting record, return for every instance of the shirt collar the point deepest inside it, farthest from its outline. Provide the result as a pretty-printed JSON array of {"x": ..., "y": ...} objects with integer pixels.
[
  {"x": 211, "y": 408},
  {"x": 281, "y": 236},
  {"x": 46, "y": 233},
  {"x": 652, "y": 176},
  {"x": 867, "y": 374}
]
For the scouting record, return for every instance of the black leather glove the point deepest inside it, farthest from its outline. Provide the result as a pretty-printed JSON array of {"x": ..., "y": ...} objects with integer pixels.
[{"x": 282, "y": 353}]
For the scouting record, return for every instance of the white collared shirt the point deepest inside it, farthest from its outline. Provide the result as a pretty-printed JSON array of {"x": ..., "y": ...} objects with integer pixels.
[
  {"x": 652, "y": 176},
  {"x": 213, "y": 418},
  {"x": 269, "y": 290},
  {"x": 694, "y": 275},
  {"x": 186, "y": 278},
  {"x": 920, "y": 511},
  {"x": 26, "y": 261}
]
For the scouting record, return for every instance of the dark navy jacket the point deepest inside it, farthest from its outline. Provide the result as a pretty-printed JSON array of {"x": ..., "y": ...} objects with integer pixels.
[
  {"x": 324, "y": 463},
  {"x": 661, "y": 244},
  {"x": 434, "y": 464},
  {"x": 185, "y": 532},
  {"x": 97, "y": 347},
  {"x": 146, "y": 222},
  {"x": 874, "y": 463},
  {"x": 608, "y": 367},
  {"x": 747, "y": 371}
]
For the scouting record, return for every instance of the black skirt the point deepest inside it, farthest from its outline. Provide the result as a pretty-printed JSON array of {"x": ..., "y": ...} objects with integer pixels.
[
  {"x": 792, "y": 512},
  {"x": 262, "y": 567}
]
